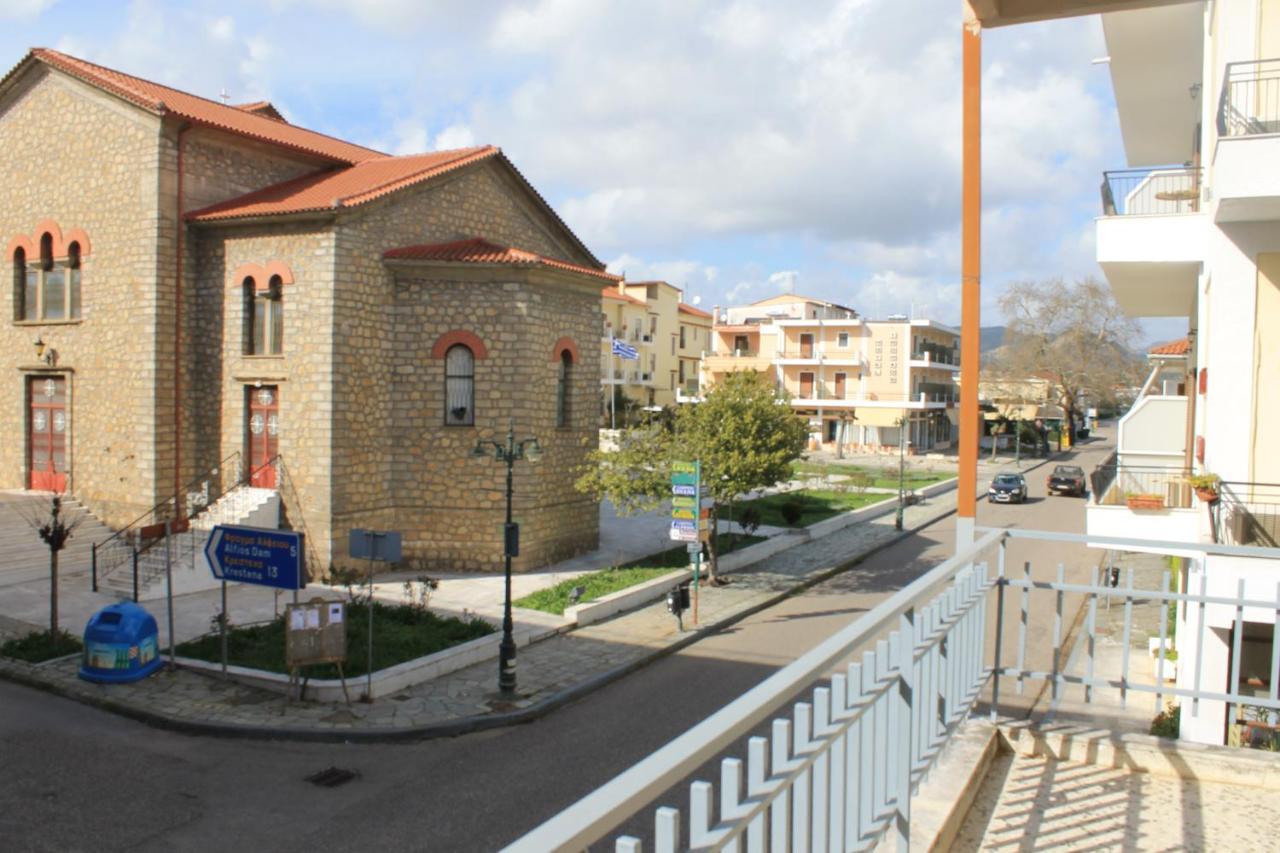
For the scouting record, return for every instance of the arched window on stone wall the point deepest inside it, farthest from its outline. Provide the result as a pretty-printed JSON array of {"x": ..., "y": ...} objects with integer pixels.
[
  {"x": 564, "y": 386},
  {"x": 19, "y": 283},
  {"x": 49, "y": 289},
  {"x": 459, "y": 386},
  {"x": 73, "y": 279},
  {"x": 264, "y": 316}
]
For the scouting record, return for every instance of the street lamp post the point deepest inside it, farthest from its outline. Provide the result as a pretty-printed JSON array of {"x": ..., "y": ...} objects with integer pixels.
[
  {"x": 507, "y": 453},
  {"x": 902, "y": 458}
]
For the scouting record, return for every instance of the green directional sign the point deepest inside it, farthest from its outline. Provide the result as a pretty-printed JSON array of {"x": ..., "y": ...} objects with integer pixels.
[{"x": 684, "y": 503}]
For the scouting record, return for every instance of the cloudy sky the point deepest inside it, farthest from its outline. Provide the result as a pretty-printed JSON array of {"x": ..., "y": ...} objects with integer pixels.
[{"x": 736, "y": 149}]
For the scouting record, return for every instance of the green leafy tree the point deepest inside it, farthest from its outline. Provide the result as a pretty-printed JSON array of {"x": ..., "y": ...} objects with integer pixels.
[{"x": 744, "y": 434}]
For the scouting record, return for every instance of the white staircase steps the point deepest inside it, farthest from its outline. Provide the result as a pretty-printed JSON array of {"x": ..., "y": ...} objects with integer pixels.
[{"x": 244, "y": 505}]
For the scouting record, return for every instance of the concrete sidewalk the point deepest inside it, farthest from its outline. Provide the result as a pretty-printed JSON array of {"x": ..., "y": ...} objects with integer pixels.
[{"x": 551, "y": 672}]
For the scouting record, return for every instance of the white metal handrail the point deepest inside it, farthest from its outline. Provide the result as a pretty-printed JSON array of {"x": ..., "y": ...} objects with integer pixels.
[{"x": 858, "y": 724}]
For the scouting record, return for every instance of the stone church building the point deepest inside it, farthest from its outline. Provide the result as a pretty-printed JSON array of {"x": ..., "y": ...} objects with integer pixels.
[{"x": 200, "y": 286}]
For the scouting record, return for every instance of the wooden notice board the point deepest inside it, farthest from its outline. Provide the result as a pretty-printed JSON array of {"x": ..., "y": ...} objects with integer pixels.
[{"x": 315, "y": 632}]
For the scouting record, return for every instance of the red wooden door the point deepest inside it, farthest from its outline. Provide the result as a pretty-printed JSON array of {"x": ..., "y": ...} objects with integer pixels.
[
  {"x": 806, "y": 346},
  {"x": 263, "y": 434},
  {"x": 47, "y": 439},
  {"x": 806, "y": 386}
]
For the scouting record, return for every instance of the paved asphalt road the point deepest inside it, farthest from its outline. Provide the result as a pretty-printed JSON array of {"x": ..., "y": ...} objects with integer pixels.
[{"x": 73, "y": 778}]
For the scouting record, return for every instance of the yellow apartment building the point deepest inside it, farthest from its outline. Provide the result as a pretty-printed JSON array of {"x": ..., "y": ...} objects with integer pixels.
[
  {"x": 668, "y": 335},
  {"x": 856, "y": 380}
]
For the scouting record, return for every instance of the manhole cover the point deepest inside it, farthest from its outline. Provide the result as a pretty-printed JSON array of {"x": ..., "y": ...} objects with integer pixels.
[{"x": 332, "y": 777}]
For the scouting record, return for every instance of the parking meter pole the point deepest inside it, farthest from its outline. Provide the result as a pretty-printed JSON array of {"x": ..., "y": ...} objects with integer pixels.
[
  {"x": 168, "y": 584},
  {"x": 222, "y": 629}
]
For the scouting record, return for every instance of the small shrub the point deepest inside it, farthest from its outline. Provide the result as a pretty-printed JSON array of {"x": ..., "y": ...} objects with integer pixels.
[
  {"x": 36, "y": 646},
  {"x": 861, "y": 481},
  {"x": 1165, "y": 723},
  {"x": 749, "y": 520},
  {"x": 791, "y": 511}
]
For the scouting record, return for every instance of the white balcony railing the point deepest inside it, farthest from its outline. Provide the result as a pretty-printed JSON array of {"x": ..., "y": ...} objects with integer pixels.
[{"x": 841, "y": 770}]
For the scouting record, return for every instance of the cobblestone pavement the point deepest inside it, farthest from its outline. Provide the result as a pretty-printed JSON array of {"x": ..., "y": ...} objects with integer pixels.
[
  {"x": 1040, "y": 804},
  {"x": 546, "y": 669}
]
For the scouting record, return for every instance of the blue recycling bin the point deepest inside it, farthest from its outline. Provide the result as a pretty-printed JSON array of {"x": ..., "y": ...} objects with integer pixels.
[{"x": 121, "y": 644}]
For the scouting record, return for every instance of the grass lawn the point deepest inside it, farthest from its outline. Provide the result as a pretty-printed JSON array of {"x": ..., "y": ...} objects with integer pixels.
[
  {"x": 815, "y": 505},
  {"x": 35, "y": 647},
  {"x": 400, "y": 633},
  {"x": 885, "y": 478},
  {"x": 554, "y": 599}
]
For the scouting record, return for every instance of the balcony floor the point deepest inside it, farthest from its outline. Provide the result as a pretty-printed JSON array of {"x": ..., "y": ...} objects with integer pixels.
[{"x": 1038, "y": 803}]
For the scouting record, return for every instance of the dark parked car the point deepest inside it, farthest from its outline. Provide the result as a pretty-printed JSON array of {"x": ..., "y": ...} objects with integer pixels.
[
  {"x": 1007, "y": 488},
  {"x": 1066, "y": 480}
]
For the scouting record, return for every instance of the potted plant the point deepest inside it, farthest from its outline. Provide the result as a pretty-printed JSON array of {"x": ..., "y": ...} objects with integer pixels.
[
  {"x": 1138, "y": 500},
  {"x": 1206, "y": 486}
]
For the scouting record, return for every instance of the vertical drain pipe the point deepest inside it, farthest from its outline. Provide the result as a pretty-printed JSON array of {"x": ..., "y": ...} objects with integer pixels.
[{"x": 177, "y": 333}]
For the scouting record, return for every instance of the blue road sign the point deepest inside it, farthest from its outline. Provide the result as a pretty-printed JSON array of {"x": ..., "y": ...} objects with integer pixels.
[
  {"x": 256, "y": 555},
  {"x": 381, "y": 545}
]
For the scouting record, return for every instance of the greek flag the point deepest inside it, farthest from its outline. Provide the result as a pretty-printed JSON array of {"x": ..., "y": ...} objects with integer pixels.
[{"x": 625, "y": 350}]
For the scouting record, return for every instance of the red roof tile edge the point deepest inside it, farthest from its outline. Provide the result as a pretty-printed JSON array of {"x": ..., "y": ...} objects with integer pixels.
[
  {"x": 614, "y": 293},
  {"x": 477, "y": 250},
  {"x": 1179, "y": 347},
  {"x": 697, "y": 312},
  {"x": 235, "y": 208},
  {"x": 276, "y": 132}
]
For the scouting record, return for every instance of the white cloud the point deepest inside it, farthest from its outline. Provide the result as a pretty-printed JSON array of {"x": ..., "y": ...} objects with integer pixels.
[
  {"x": 695, "y": 278},
  {"x": 819, "y": 137},
  {"x": 222, "y": 28},
  {"x": 16, "y": 9},
  {"x": 454, "y": 136},
  {"x": 785, "y": 280}
]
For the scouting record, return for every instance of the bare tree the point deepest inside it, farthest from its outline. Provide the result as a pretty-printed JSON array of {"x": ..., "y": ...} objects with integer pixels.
[
  {"x": 54, "y": 530},
  {"x": 1075, "y": 337}
]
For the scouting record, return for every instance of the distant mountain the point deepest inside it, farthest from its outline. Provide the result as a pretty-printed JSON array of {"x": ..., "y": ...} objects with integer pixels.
[{"x": 991, "y": 337}]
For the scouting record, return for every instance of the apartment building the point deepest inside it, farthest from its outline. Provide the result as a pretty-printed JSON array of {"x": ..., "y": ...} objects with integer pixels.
[
  {"x": 669, "y": 337},
  {"x": 1191, "y": 229},
  {"x": 856, "y": 380},
  {"x": 199, "y": 287}
]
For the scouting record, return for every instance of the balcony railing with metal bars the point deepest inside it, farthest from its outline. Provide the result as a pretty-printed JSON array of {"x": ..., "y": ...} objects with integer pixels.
[
  {"x": 880, "y": 699},
  {"x": 1247, "y": 514},
  {"x": 1120, "y": 485},
  {"x": 1249, "y": 104},
  {"x": 1148, "y": 192}
]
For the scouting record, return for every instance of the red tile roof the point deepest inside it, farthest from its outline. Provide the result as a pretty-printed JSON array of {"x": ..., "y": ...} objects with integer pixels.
[
  {"x": 479, "y": 251},
  {"x": 1181, "y": 347},
  {"x": 262, "y": 108},
  {"x": 372, "y": 173},
  {"x": 696, "y": 312},
  {"x": 333, "y": 190},
  {"x": 619, "y": 296},
  {"x": 162, "y": 100}
]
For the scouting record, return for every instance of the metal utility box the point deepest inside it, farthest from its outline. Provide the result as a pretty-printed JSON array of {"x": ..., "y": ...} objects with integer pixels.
[{"x": 121, "y": 644}]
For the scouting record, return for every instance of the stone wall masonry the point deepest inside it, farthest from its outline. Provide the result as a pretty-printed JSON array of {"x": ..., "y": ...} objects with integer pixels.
[
  {"x": 215, "y": 166},
  {"x": 86, "y": 160},
  {"x": 451, "y": 505},
  {"x": 479, "y": 201},
  {"x": 218, "y": 166},
  {"x": 303, "y": 373}
]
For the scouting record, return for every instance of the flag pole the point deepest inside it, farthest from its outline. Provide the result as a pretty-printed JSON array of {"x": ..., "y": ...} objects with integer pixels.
[{"x": 613, "y": 391}]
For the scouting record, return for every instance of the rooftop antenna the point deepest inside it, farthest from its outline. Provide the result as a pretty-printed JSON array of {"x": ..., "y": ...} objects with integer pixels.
[{"x": 223, "y": 96}]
